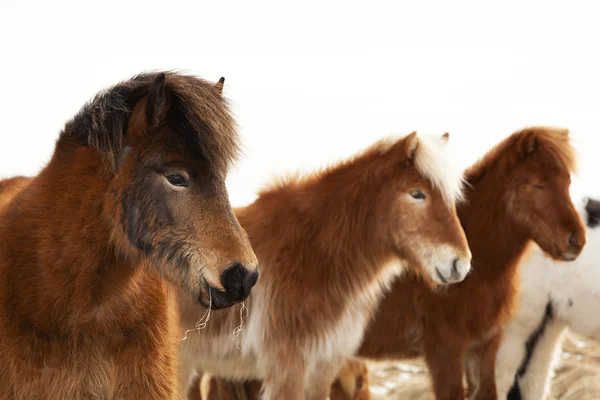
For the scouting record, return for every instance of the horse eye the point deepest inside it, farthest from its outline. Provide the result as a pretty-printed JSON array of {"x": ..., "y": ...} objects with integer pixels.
[
  {"x": 177, "y": 180},
  {"x": 359, "y": 383},
  {"x": 418, "y": 194},
  {"x": 540, "y": 187}
]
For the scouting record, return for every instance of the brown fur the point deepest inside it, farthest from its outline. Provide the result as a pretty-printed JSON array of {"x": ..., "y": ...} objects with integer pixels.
[
  {"x": 10, "y": 187},
  {"x": 327, "y": 244},
  {"x": 519, "y": 192},
  {"x": 84, "y": 312}
]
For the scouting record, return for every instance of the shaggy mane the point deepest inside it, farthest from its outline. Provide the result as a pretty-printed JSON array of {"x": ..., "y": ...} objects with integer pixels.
[
  {"x": 553, "y": 144},
  {"x": 102, "y": 122},
  {"x": 431, "y": 161}
]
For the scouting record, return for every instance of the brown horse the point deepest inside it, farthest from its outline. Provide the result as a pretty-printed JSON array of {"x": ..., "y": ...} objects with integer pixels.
[
  {"x": 518, "y": 193},
  {"x": 133, "y": 193},
  {"x": 328, "y": 245}
]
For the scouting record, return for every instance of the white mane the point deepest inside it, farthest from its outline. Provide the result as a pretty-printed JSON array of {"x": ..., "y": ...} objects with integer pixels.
[{"x": 433, "y": 162}]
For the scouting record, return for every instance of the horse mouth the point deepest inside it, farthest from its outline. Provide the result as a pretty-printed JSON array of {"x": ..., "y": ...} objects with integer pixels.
[
  {"x": 440, "y": 276},
  {"x": 569, "y": 256},
  {"x": 204, "y": 299},
  {"x": 207, "y": 299},
  {"x": 221, "y": 299},
  {"x": 216, "y": 299}
]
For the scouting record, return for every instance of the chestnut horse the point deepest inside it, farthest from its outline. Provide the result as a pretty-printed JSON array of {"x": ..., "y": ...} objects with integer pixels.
[
  {"x": 134, "y": 192},
  {"x": 328, "y": 245},
  {"x": 518, "y": 193}
]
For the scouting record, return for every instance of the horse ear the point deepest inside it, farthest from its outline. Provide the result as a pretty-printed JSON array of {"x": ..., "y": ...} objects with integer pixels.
[
  {"x": 527, "y": 144},
  {"x": 531, "y": 144},
  {"x": 411, "y": 143},
  {"x": 592, "y": 209},
  {"x": 219, "y": 85},
  {"x": 445, "y": 139},
  {"x": 157, "y": 102}
]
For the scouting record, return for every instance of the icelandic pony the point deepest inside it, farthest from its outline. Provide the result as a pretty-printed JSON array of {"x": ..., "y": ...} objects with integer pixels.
[
  {"x": 328, "y": 245},
  {"x": 566, "y": 297},
  {"x": 518, "y": 193},
  {"x": 351, "y": 384},
  {"x": 134, "y": 193}
]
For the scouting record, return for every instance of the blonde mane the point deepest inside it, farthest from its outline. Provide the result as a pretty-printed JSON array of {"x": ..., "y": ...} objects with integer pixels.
[{"x": 432, "y": 161}]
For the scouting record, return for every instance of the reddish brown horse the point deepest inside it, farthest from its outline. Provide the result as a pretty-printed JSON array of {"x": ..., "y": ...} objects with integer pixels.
[
  {"x": 133, "y": 193},
  {"x": 328, "y": 245},
  {"x": 518, "y": 193}
]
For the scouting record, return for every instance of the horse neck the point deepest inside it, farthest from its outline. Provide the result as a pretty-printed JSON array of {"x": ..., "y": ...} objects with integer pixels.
[
  {"x": 74, "y": 190},
  {"x": 58, "y": 227},
  {"x": 495, "y": 242},
  {"x": 333, "y": 217}
]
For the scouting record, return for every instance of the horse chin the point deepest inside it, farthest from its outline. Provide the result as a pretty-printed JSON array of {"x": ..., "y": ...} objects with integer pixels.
[{"x": 431, "y": 282}]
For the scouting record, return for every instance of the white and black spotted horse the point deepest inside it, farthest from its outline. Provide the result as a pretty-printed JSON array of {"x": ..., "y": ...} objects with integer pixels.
[{"x": 554, "y": 297}]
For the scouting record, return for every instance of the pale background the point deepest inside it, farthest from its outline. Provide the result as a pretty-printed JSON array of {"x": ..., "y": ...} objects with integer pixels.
[{"x": 311, "y": 82}]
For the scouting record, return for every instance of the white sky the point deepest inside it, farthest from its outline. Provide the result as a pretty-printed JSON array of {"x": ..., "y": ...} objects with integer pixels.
[{"x": 311, "y": 82}]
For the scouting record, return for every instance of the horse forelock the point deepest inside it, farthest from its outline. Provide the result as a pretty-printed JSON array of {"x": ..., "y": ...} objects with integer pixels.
[
  {"x": 556, "y": 146},
  {"x": 433, "y": 163},
  {"x": 208, "y": 114},
  {"x": 102, "y": 122}
]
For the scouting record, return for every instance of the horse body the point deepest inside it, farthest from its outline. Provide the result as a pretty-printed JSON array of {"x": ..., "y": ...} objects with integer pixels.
[
  {"x": 71, "y": 332},
  {"x": 566, "y": 297},
  {"x": 517, "y": 193},
  {"x": 328, "y": 245},
  {"x": 90, "y": 247}
]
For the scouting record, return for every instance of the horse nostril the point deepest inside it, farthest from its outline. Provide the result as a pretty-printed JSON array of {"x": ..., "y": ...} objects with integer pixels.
[
  {"x": 238, "y": 281},
  {"x": 232, "y": 277},
  {"x": 250, "y": 281},
  {"x": 455, "y": 266},
  {"x": 573, "y": 241}
]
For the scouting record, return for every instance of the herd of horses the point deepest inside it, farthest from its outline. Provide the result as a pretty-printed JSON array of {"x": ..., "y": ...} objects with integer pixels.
[{"x": 126, "y": 274}]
